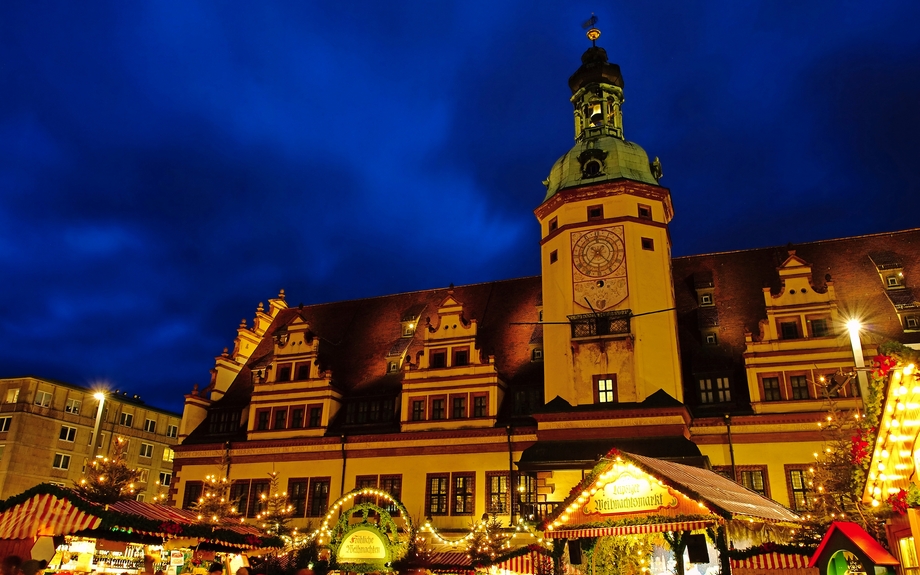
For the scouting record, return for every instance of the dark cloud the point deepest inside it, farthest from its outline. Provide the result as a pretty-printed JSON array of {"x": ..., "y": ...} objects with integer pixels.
[{"x": 165, "y": 167}]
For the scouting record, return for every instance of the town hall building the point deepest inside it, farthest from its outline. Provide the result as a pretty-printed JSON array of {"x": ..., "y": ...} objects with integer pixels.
[{"x": 498, "y": 397}]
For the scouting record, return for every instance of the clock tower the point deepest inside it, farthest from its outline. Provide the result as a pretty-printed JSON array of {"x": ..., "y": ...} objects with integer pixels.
[{"x": 609, "y": 325}]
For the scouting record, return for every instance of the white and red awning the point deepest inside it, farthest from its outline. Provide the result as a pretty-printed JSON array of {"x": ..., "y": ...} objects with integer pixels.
[
  {"x": 526, "y": 564},
  {"x": 44, "y": 514},
  {"x": 575, "y": 533},
  {"x": 772, "y": 561}
]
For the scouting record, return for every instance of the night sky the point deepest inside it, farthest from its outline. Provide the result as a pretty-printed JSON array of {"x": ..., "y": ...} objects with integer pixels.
[{"x": 165, "y": 166}]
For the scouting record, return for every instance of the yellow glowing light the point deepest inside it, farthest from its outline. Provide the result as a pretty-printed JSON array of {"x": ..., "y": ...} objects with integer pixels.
[{"x": 853, "y": 325}]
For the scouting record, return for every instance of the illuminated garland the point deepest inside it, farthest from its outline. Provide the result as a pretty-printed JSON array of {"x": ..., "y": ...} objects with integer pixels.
[{"x": 323, "y": 531}]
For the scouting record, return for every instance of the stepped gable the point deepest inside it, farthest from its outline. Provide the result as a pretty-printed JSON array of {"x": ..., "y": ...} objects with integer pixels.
[
  {"x": 356, "y": 335},
  {"x": 739, "y": 278}
]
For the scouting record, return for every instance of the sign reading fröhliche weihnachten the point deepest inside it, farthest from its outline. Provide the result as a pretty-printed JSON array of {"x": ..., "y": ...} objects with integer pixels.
[
  {"x": 362, "y": 545},
  {"x": 631, "y": 492}
]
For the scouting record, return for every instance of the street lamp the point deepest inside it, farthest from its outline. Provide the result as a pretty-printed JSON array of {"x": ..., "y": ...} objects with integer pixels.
[
  {"x": 853, "y": 326},
  {"x": 101, "y": 397}
]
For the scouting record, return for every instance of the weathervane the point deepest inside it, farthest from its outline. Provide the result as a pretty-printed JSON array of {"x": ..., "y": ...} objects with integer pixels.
[{"x": 593, "y": 33}]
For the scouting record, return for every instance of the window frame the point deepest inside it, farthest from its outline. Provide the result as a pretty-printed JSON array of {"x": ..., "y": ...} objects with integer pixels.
[
  {"x": 648, "y": 244},
  {"x": 5, "y": 422},
  {"x": 793, "y": 387},
  {"x": 718, "y": 393},
  {"x": 418, "y": 414},
  {"x": 441, "y": 361},
  {"x": 468, "y": 493},
  {"x": 192, "y": 493},
  {"x": 61, "y": 461},
  {"x": 491, "y": 497},
  {"x": 146, "y": 451},
  {"x": 44, "y": 395},
  {"x": 553, "y": 224},
  {"x": 612, "y": 393},
  {"x": 297, "y": 498},
  {"x": 460, "y": 356},
  {"x": 312, "y": 510},
  {"x": 478, "y": 411},
  {"x": 67, "y": 434},
  {"x": 172, "y": 431},
  {"x": 302, "y": 368},
  {"x": 165, "y": 478},
  {"x": 150, "y": 425},
  {"x": 386, "y": 482},
  {"x": 443, "y": 495},
  {"x": 285, "y": 372},
  {"x": 263, "y": 419},
  {"x": 779, "y": 386},
  {"x": 781, "y": 322},
  {"x": 442, "y": 404},
  {"x": 805, "y": 490},
  {"x": 464, "y": 410},
  {"x": 73, "y": 406},
  {"x": 597, "y": 216},
  {"x": 126, "y": 419}
]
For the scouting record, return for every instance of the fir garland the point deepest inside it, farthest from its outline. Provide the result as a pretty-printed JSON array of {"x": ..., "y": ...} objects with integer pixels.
[{"x": 740, "y": 554}]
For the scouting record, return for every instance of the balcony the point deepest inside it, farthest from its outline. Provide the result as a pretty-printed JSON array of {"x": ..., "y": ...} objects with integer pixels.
[{"x": 599, "y": 324}]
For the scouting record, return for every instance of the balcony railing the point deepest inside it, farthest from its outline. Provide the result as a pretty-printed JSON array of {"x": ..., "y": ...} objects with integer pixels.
[
  {"x": 600, "y": 324},
  {"x": 536, "y": 512}
]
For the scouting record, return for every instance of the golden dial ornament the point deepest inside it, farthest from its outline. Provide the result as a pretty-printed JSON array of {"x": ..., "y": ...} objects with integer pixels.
[{"x": 598, "y": 253}]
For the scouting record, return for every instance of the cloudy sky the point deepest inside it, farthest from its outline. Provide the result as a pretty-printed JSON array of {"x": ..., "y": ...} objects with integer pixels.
[{"x": 167, "y": 165}]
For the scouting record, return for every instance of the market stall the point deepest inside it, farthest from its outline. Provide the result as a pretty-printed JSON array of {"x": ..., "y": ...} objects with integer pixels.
[{"x": 122, "y": 530}]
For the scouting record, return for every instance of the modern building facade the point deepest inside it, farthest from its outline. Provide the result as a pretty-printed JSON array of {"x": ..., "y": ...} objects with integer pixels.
[
  {"x": 496, "y": 397},
  {"x": 47, "y": 427}
]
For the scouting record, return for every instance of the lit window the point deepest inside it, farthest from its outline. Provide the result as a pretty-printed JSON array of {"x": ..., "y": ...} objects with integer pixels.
[
  {"x": 436, "y": 492},
  {"x": 146, "y": 450},
  {"x": 67, "y": 433},
  {"x": 61, "y": 461},
  {"x": 43, "y": 398},
  {"x": 754, "y": 480},
  {"x": 73, "y": 406},
  {"x": 799, "y": 489},
  {"x": 706, "y": 299},
  {"x": 12, "y": 396},
  {"x": 463, "y": 494},
  {"x": 144, "y": 475},
  {"x": 497, "y": 494},
  {"x": 605, "y": 388},
  {"x": 168, "y": 454}
]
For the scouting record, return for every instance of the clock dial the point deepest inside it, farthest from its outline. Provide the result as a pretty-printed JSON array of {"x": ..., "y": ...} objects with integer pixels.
[{"x": 598, "y": 253}]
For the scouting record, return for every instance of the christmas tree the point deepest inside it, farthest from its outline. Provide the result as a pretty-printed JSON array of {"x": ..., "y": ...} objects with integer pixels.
[
  {"x": 488, "y": 540},
  {"x": 109, "y": 479},
  {"x": 215, "y": 505},
  {"x": 277, "y": 509}
]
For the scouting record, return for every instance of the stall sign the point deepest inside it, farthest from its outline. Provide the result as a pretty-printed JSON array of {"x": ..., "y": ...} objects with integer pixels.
[
  {"x": 362, "y": 545},
  {"x": 630, "y": 492},
  {"x": 176, "y": 557}
]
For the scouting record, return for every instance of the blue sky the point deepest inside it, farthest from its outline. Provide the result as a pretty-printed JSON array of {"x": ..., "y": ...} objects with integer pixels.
[{"x": 166, "y": 166}]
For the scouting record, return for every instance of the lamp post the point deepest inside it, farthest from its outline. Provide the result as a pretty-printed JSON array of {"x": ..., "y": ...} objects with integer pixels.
[
  {"x": 853, "y": 326},
  {"x": 101, "y": 397}
]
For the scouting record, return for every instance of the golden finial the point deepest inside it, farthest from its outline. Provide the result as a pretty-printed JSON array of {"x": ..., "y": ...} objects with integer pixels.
[{"x": 593, "y": 34}]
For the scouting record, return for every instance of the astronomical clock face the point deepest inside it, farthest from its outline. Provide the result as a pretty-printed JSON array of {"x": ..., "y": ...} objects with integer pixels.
[{"x": 600, "y": 274}]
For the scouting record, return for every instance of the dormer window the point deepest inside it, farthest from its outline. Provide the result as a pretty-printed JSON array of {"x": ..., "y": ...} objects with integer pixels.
[
  {"x": 711, "y": 339},
  {"x": 281, "y": 337},
  {"x": 893, "y": 281},
  {"x": 706, "y": 299},
  {"x": 536, "y": 354},
  {"x": 392, "y": 367},
  {"x": 911, "y": 322},
  {"x": 408, "y": 329}
]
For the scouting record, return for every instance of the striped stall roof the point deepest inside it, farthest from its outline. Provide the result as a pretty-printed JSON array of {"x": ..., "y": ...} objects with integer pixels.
[
  {"x": 629, "y": 529},
  {"x": 526, "y": 564},
  {"x": 44, "y": 514},
  {"x": 184, "y": 516},
  {"x": 772, "y": 561}
]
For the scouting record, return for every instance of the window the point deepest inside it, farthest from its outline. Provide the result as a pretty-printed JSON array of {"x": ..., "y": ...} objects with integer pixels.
[
  {"x": 392, "y": 367},
  {"x": 712, "y": 339},
  {"x": 799, "y": 386},
  {"x": 239, "y": 495},
  {"x": 73, "y": 406},
  {"x": 799, "y": 486},
  {"x": 526, "y": 493},
  {"x": 297, "y": 490},
  {"x": 755, "y": 480},
  {"x": 143, "y": 475},
  {"x": 418, "y": 410},
  {"x": 146, "y": 450},
  {"x": 437, "y": 409},
  {"x": 67, "y": 433},
  {"x": 820, "y": 327},
  {"x": 461, "y": 357},
  {"x": 319, "y": 496},
  {"x": 192, "y": 493},
  {"x": 463, "y": 493},
  {"x": 605, "y": 388},
  {"x": 165, "y": 478},
  {"x": 536, "y": 354},
  {"x": 297, "y": 418},
  {"x": 284, "y": 373},
  {"x": 595, "y": 212},
  {"x": 497, "y": 492},
  {"x": 458, "y": 408},
  {"x": 280, "y": 418},
  {"x": 553, "y": 224},
  {"x": 150, "y": 425},
  {"x": 140, "y": 497},
  {"x": 907, "y": 553},
  {"x": 224, "y": 420},
  {"x": 172, "y": 431},
  {"x": 436, "y": 487},
  {"x": 553, "y": 256},
  {"x": 439, "y": 358},
  {"x": 168, "y": 454},
  {"x": 263, "y": 418},
  {"x": 43, "y": 398},
  {"x": 303, "y": 371},
  {"x": 481, "y": 406},
  {"x": 392, "y": 484},
  {"x": 715, "y": 390},
  {"x": 911, "y": 322},
  {"x": 257, "y": 503},
  {"x": 789, "y": 329},
  {"x": 366, "y": 481},
  {"x": 706, "y": 299},
  {"x": 61, "y": 461},
  {"x": 648, "y": 244},
  {"x": 12, "y": 396},
  {"x": 5, "y": 423},
  {"x": 600, "y": 323},
  {"x": 316, "y": 416},
  {"x": 645, "y": 212},
  {"x": 127, "y": 419},
  {"x": 527, "y": 400},
  {"x": 771, "y": 391},
  {"x": 893, "y": 281}
]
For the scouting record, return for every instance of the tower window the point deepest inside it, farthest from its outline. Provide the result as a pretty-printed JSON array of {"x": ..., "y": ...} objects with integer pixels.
[
  {"x": 592, "y": 169},
  {"x": 605, "y": 388},
  {"x": 595, "y": 212},
  {"x": 553, "y": 256},
  {"x": 648, "y": 244},
  {"x": 553, "y": 224},
  {"x": 645, "y": 212},
  {"x": 715, "y": 390}
]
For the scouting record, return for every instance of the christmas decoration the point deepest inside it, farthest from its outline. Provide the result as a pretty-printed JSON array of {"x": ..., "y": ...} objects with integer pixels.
[
  {"x": 215, "y": 505},
  {"x": 277, "y": 509},
  {"x": 109, "y": 479}
]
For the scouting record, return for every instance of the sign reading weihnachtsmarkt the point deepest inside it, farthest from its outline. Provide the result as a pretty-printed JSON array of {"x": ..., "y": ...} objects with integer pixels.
[
  {"x": 361, "y": 546},
  {"x": 630, "y": 493}
]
